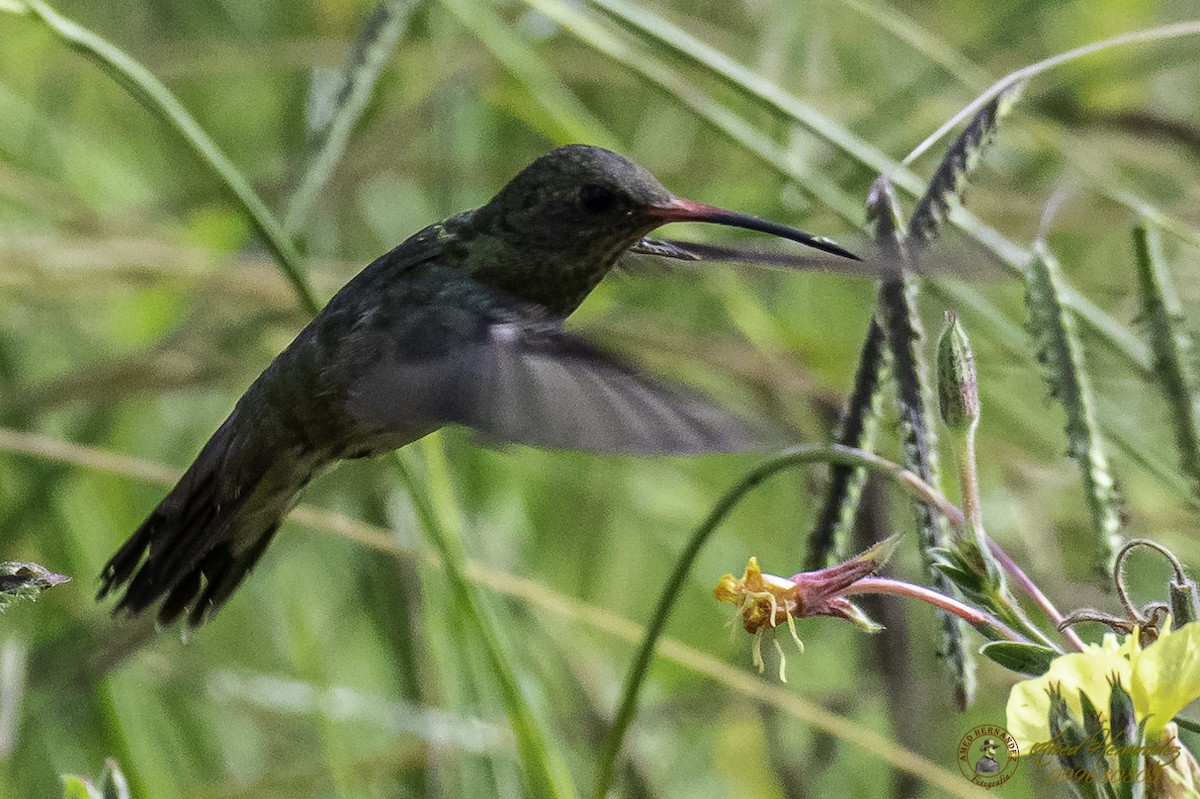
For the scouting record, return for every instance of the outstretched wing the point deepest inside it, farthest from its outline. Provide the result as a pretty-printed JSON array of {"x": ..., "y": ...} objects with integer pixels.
[{"x": 537, "y": 384}]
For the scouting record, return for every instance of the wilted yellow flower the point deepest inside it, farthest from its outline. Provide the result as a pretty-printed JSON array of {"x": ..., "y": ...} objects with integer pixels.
[{"x": 764, "y": 600}]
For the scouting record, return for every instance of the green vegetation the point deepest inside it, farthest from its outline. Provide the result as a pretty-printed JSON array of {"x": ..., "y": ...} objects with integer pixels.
[{"x": 182, "y": 185}]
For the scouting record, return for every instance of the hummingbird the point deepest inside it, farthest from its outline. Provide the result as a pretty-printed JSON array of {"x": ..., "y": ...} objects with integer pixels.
[{"x": 461, "y": 324}]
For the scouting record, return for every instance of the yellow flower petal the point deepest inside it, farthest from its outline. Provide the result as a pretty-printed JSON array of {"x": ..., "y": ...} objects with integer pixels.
[
  {"x": 1086, "y": 672},
  {"x": 729, "y": 589},
  {"x": 1166, "y": 676}
]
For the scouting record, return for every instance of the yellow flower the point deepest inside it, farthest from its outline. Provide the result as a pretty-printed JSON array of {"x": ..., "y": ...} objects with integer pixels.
[
  {"x": 1162, "y": 678},
  {"x": 1166, "y": 676}
]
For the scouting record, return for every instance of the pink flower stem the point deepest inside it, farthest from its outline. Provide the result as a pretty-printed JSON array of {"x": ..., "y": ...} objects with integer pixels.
[
  {"x": 1030, "y": 587},
  {"x": 972, "y": 616}
]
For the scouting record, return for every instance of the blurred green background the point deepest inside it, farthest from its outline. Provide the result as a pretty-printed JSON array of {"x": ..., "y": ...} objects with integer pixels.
[{"x": 136, "y": 303}]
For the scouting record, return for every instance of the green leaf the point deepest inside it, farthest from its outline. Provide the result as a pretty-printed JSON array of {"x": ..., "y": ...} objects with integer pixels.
[
  {"x": 79, "y": 788},
  {"x": 967, "y": 581},
  {"x": 1187, "y": 724},
  {"x": 1030, "y": 659}
]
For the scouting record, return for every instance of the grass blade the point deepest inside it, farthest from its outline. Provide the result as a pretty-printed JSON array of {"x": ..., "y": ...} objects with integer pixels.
[
  {"x": 369, "y": 53},
  {"x": 921, "y": 39},
  {"x": 1173, "y": 347},
  {"x": 1002, "y": 86},
  {"x": 569, "y": 119},
  {"x": 543, "y": 766},
  {"x": 1052, "y": 326},
  {"x": 158, "y": 99},
  {"x": 682, "y": 44}
]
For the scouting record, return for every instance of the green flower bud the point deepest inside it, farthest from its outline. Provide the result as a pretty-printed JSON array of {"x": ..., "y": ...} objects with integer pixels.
[
  {"x": 1066, "y": 733},
  {"x": 958, "y": 386},
  {"x": 1092, "y": 723},
  {"x": 113, "y": 784},
  {"x": 1122, "y": 720},
  {"x": 1185, "y": 604}
]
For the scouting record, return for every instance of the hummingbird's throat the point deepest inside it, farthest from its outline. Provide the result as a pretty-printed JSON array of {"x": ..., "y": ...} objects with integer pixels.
[{"x": 558, "y": 278}]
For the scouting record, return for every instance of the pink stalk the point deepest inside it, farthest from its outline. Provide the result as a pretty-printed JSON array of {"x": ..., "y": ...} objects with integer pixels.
[
  {"x": 972, "y": 616},
  {"x": 1030, "y": 587}
]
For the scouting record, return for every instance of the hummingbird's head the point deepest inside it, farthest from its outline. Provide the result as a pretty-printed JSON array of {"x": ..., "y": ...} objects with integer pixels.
[
  {"x": 559, "y": 226},
  {"x": 580, "y": 198}
]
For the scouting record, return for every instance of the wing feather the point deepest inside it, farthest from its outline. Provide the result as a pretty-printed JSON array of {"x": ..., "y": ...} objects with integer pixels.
[{"x": 539, "y": 385}]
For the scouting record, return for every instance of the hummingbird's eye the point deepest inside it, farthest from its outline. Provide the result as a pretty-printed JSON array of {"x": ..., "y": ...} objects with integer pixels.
[{"x": 596, "y": 199}]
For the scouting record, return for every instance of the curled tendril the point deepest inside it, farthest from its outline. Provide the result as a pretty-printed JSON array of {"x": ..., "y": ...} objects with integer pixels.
[
  {"x": 1119, "y": 571},
  {"x": 1147, "y": 620}
]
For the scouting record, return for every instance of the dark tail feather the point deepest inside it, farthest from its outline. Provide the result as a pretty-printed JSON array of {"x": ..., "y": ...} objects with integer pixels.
[
  {"x": 179, "y": 598},
  {"x": 195, "y": 547},
  {"x": 223, "y": 576},
  {"x": 120, "y": 567},
  {"x": 161, "y": 554}
]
